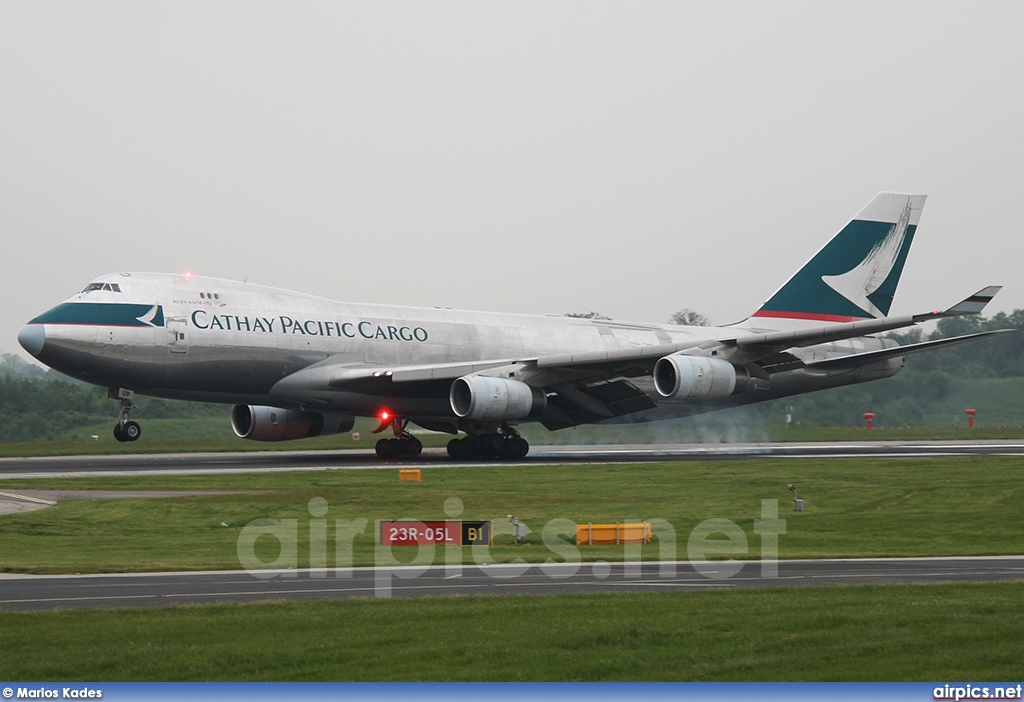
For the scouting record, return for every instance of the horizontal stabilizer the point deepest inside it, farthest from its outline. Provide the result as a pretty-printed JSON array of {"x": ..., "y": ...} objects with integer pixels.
[
  {"x": 975, "y": 303},
  {"x": 972, "y": 304}
]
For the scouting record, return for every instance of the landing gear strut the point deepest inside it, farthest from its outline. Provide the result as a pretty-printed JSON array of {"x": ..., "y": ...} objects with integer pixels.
[
  {"x": 503, "y": 444},
  {"x": 404, "y": 445},
  {"x": 125, "y": 430}
]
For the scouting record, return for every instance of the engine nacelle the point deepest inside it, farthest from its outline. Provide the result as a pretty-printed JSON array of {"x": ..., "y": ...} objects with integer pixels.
[
  {"x": 259, "y": 423},
  {"x": 484, "y": 398},
  {"x": 698, "y": 377}
]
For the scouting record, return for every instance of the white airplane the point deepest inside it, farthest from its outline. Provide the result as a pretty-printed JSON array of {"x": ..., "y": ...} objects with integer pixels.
[{"x": 296, "y": 366}]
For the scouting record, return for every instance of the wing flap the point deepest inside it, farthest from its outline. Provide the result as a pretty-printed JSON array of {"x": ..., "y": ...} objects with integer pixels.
[
  {"x": 574, "y": 404},
  {"x": 637, "y": 353},
  {"x": 342, "y": 376}
]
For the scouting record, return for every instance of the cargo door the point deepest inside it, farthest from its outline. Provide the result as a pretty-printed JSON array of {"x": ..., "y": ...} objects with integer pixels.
[{"x": 176, "y": 334}]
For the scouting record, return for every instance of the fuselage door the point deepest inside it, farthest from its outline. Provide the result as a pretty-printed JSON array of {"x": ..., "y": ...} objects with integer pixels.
[{"x": 176, "y": 334}]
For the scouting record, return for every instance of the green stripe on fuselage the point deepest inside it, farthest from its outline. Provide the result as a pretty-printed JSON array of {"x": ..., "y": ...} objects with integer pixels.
[{"x": 104, "y": 314}]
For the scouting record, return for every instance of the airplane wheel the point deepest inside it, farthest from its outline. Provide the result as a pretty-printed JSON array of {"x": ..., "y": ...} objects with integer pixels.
[
  {"x": 132, "y": 431},
  {"x": 119, "y": 433},
  {"x": 516, "y": 448},
  {"x": 462, "y": 448},
  {"x": 385, "y": 449},
  {"x": 414, "y": 447},
  {"x": 455, "y": 448},
  {"x": 490, "y": 445}
]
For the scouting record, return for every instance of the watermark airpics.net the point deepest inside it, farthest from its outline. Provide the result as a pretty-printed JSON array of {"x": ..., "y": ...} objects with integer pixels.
[
  {"x": 712, "y": 548},
  {"x": 966, "y": 692}
]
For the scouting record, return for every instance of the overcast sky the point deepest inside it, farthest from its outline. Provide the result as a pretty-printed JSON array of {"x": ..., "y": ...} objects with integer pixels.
[{"x": 630, "y": 158}]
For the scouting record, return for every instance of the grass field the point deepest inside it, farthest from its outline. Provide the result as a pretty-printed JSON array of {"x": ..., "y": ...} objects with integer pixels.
[
  {"x": 862, "y": 507},
  {"x": 933, "y": 632},
  {"x": 853, "y": 507}
]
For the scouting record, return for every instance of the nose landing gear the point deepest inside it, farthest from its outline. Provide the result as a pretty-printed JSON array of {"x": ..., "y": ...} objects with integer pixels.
[{"x": 125, "y": 430}]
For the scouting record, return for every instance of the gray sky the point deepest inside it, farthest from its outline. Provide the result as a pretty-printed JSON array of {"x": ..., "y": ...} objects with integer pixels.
[{"x": 629, "y": 158}]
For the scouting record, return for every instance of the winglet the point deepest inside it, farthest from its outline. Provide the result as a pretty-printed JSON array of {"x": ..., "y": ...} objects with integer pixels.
[{"x": 973, "y": 304}]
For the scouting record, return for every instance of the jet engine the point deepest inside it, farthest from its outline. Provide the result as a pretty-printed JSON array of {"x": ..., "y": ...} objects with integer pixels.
[
  {"x": 260, "y": 423},
  {"x": 484, "y": 398},
  {"x": 698, "y": 377}
]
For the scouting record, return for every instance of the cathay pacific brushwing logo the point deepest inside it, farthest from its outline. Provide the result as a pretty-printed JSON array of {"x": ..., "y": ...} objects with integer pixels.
[
  {"x": 871, "y": 273},
  {"x": 153, "y": 318}
]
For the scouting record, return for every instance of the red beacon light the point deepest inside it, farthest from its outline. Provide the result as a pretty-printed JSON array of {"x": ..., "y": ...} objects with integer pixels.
[{"x": 385, "y": 418}]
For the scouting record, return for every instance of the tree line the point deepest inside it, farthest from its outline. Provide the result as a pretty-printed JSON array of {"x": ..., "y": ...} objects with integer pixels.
[
  {"x": 43, "y": 404},
  {"x": 935, "y": 386}
]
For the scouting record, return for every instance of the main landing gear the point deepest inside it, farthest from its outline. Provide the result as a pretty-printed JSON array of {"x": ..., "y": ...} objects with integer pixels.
[
  {"x": 125, "y": 430},
  {"x": 404, "y": 445},
  {"x": 504, "y": 444},
  {"x": 494, "y": 442}
]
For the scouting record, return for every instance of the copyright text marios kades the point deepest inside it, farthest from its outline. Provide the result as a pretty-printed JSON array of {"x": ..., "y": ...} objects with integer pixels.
[{"x": 58, "y": 693}]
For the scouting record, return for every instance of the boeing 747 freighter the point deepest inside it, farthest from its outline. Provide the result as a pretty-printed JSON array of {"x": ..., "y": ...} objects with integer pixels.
[{"x": 295, "y": 366}]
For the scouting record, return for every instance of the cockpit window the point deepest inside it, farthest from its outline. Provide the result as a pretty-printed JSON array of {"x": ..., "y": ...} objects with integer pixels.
[{"x": 110, "y": 287}]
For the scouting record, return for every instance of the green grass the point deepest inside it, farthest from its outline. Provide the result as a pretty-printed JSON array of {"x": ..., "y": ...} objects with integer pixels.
[
  {"x": 854, "y": 508},
  {"x": 899, "y": 632},
  {"x": 192, "y": 436}
]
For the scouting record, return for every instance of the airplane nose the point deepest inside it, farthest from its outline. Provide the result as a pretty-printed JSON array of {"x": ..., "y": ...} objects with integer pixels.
[{"x": 32, "y": 337}]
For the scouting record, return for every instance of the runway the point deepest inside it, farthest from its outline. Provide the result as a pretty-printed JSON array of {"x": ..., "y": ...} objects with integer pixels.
[
  {"x": 28, "y": 592},
  {"x": 274, "y": 461}
]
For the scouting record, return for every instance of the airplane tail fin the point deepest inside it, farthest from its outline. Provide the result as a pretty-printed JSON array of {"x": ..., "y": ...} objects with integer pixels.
[{"x": 855, "y": 275}]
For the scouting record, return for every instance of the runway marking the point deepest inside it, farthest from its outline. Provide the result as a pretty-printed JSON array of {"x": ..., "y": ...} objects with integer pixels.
[
  {"x": 81, "y": 599},
  {"x": 412, "y": 587},
  {"x": 271, "y": 462},
  {"x": 243, "y": 593},
  {"x": 669, "y": 584},
  {"x": 38, "y": 500},
  {"x": 542, "y": 584},
  {"x": 338, "y": 573}
]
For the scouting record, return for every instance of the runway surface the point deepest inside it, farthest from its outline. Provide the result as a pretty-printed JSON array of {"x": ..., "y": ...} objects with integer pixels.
[
  {"x": 24, "y": 592},
  {"x": 269, "y": 461}
]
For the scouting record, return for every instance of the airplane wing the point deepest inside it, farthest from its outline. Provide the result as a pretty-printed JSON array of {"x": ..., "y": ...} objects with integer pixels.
[
  {"x": 594, "y": 385},
  {"x": 859, "y": 359},
  {"x": 752, "y": 348}
]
